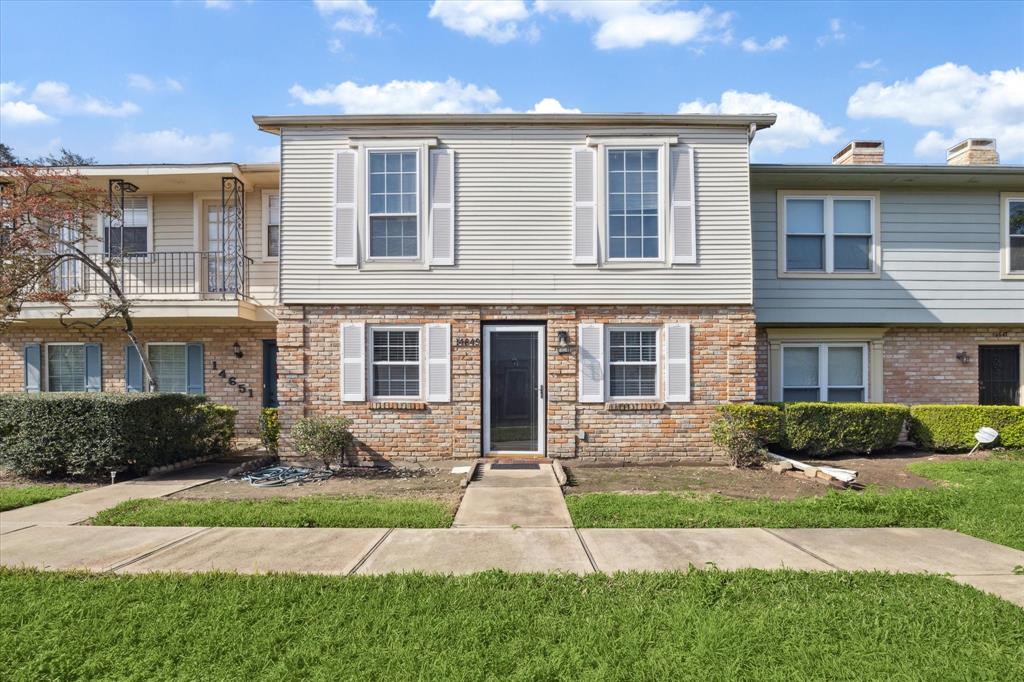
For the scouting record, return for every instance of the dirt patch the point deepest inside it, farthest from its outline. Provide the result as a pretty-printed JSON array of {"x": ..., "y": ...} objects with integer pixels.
[
  {"x": 9, "y": 479},
  {"x": 432, "y": 481},
  {"x": 884, "y": 472}
]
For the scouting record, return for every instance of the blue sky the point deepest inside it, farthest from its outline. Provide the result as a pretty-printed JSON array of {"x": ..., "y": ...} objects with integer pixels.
[{"x": 179, "y": 81}]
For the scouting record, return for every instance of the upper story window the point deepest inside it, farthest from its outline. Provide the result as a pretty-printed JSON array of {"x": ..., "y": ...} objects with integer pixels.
[
  {"x": 824, "y": 372},
  {"x": 633, "y": 363},
  {"x": 393, "y": 207},
  {"x": 65, "y": 367},
  {"x": 1013, "y": 235},
  {"x": 633, "y": 200},
  {"x": 395, "y": 362},
  {"x": 133, "y": 237},
  {"x": 828, "y": 234},
  {"x": 272, "y": 231}
]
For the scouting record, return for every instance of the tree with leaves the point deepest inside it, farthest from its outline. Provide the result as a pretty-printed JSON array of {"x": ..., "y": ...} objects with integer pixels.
[
  {"x": 65, "y": 158},
  {"x": 48, "y": 230}
]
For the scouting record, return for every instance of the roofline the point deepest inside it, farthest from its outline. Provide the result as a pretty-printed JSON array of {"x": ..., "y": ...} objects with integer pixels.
[
  {"x": 273, "y": 124},
  {"x": 884, "y": 169}
]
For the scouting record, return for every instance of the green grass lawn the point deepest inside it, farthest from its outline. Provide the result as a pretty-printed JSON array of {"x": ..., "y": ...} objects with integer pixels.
[
  {"x": 982, "y": 498},
  {"x": 702, "y": 625},
  {"x": 12, "y": 497},
  {"x": 303, "y": 512}
]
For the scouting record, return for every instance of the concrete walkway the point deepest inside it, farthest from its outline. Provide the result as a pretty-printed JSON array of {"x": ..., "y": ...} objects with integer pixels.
[{"x": 513, "y": 498}]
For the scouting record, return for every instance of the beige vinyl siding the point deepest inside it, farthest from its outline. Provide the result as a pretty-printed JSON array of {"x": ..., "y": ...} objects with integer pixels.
[
  {"x": 262, "y": 274},
  {"x": 173, "y": 228},
  {"x": 513, "y": 224},
  {"x": 940, "y": 263}
]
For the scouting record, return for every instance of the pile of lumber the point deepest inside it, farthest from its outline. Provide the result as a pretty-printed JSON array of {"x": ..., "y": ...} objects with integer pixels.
[{"x": 842, "y": 478}]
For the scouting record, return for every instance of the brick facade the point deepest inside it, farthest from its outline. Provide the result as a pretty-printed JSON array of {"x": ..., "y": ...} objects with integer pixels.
[
  {"x": 722, "y": 342},
  {"x": 217, "y": 346},
  {"x": 919, "y": 364}
]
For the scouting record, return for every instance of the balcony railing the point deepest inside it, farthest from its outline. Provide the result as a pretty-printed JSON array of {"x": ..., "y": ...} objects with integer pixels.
[{"x": 162, "y": 274}]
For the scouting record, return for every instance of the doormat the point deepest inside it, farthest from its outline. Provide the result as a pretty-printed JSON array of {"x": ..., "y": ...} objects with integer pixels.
[{"x": 498, "y": 466}]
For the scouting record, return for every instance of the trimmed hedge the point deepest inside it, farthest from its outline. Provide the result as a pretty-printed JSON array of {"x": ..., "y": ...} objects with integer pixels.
[
  {"x": 833, "y": 428},
  {"x": 87, "y": 435},
  {"x": 270, "y": 429},
  {"x": 948, "y": 428},
  {"x": 744, "y": 431}
]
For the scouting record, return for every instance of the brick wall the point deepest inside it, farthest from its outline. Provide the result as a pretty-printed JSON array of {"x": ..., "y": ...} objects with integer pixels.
[
  {"x": 217, "y": 346},
  {"x": 722, "y": 370}
]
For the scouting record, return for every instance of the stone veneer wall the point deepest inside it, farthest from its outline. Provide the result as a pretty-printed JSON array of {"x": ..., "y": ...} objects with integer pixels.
[
  {"x": 217, "y": 345},
  {"x": 919, "y": 364},
  {"x": 722, "y": 341}
]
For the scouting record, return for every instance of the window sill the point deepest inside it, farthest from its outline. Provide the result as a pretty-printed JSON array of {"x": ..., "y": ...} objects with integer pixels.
[
  {"x": 811, "y": 274},
  {"x": 639, "y": 406},
  {"x": 417, "y": 406}
]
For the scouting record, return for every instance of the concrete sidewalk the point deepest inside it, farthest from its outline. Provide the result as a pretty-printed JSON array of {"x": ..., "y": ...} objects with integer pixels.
[
  {"x": 513, "y": 498},
  {"x": 361, "y": 551}
]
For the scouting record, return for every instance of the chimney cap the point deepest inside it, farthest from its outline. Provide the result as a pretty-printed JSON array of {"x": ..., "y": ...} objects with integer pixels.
[
  {"x": 971, "y": 143},
  {"x": 873, "y": 150},
  {"x": 974, "y": 151}
]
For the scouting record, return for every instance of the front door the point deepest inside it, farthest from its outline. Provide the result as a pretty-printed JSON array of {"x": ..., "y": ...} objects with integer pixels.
[
  {"x": 269, "y": 373},
  {"x": 999, "y": 375},
  {"x": 514, "y": 391}
]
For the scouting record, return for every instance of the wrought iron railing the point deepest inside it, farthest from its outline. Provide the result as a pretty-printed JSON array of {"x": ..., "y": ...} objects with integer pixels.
[{"x": 163, "y": 274}]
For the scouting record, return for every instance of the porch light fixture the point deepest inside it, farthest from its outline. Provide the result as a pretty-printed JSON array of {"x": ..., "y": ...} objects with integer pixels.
[
  {"x": 963, "y": 357},
  {"x": 564, "y": 347},
  {"x": 238, "y": 350}
]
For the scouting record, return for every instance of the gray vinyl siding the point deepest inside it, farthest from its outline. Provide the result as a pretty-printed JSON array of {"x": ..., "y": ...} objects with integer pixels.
[
  {"x": 940, "y": 264},
  {"x": 513, "y": 223}
]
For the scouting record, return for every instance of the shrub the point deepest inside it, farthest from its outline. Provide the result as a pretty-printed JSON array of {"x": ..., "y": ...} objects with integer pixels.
[
  {"x": 323, "y": 438},
  {"x": 832, "y": 428},
  {"x": 87, "y": 435},
  {"x": 947, "y": 428},
  {"x": 745, "y": 431},
  {"x": 270, "y": 429},
  {"x": 218, "y": 428}
]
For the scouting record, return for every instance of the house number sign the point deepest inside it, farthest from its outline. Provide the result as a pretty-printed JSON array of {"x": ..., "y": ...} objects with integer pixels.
[{"x": 467, "y": 342}]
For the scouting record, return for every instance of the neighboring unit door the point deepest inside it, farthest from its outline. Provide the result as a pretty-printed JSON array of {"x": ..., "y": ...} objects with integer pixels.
[
  {"x": 514, "y": 391},
  {"x": 270, "y": 373},
  {"x": 999, "y": 375}
]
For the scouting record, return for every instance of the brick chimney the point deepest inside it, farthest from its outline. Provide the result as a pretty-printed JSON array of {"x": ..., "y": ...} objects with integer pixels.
[
  {"x": 974, "y": 151},
  {"x": 862, "y": 153}
]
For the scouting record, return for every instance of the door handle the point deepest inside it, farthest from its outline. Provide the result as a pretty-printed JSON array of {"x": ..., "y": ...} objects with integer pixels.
[{"x": 540, "y": 390}]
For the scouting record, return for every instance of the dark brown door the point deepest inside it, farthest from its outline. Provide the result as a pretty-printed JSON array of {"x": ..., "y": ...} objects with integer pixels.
[{"x": 999, "y": 375}]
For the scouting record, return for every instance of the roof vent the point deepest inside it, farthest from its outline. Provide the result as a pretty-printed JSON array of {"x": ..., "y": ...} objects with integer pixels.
[
  {"x": 974, "y": 151},
  {"x": 861, "y": 152}
]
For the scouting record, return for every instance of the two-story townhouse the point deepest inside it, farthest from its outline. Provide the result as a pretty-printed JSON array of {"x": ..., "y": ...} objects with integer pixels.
[
  {"x": 886, "y": 282},
  {"x": 199, "y": 263},
  {"x": 562, "y": 285}
]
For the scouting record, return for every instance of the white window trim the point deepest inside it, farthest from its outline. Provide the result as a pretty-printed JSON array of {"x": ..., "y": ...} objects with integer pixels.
[
  {"x": 147, "y": 380},
  {"x": 370, "y": 392},
  {"x": 44, "y": 371},
  {"x": 605, "y": 205},
  {"x": 823, "y": 379},
  {"x": 150, "y": 247},
  {"x": 1004, "y": 236},
  {"x": 420, "y": 212},
  {"x": 829, "y": 197},
  {"x": 658, "y": 350},
  {"x": 265, "y": 222}
]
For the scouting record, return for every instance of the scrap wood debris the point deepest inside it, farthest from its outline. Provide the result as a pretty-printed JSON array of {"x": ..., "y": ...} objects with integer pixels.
[{"x": 843, "y": 478}]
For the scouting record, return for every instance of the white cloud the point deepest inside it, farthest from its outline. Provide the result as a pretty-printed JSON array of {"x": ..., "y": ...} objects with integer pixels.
[
  {"x": 550, "y": 105},
  {"x": 634, "y": 23},
  {"x": 953, "y": 101},
  {"x": 355, "y": 16},
  {"x": 866, "y": 65},
  {"x": 773, "y": 44},
  {"x": 398, "y": 97},
  {"x": 498, "y": 21},
  {"x": 59, "y": 97},
  {"x": 796, "y": 127},
  {"x": 173, "y": 146},
  {"x": 218, "y": 4},
  {"x": 270, "y": 153},
  {"x": 143, "y": 82},
  {"x": 17, "y": 112},
  {"x": 835, "y": 33}
]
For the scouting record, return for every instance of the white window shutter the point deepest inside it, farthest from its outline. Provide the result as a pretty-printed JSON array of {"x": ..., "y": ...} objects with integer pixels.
[
  {"x": 591, "y": 352},
  {"x": 584, "y": 205},
  {"x": 353, "y": 362},
  {"x": 439, "y": 363},
  {"x": 346, "y": 239},
  {"x": 683, "y": 214},
  {"x": 442, "y": 207},
  {"x": 677, "y": 363}
]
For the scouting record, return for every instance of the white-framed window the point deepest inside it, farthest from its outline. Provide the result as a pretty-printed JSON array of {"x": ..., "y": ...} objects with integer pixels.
[
  {"x": 393, "y": 203},
  {"x": 169, "y": 361},
  {"x": 828, "y": 233},
  {"x": 271, "y": 225},
  {"x": 136, "y": 232},
  {"x": 826, "y": 372},
  {"x": 1013, "y": 235},
  {"x": 632, "y": 362},
  {"x": 395, "y": 362},
  {"x": 65, "y": 367},
  {"x": 633, "y": 199}
]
